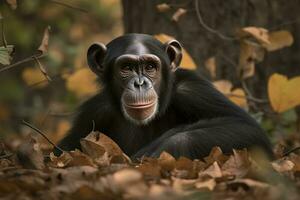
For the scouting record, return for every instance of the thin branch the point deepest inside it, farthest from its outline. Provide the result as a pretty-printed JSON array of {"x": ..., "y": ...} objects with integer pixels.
[
  {"x": 31, "y": 58},
  {"x": 69, "y": 6},
  {"x": 209, "y": 29},
  {"x": 42, "y": 134},
  {"x": 291, "y": 151}
]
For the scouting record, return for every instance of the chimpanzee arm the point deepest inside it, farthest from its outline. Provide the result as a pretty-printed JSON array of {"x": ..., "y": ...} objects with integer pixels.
[{"x": 214, "y": 121}]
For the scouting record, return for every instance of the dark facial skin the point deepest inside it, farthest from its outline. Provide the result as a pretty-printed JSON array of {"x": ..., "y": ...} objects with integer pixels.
[{"x": 140, "y": 77}]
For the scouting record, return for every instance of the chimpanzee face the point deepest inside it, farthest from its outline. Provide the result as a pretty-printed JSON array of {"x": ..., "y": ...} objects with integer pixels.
[{"x": 136, "y": 65}]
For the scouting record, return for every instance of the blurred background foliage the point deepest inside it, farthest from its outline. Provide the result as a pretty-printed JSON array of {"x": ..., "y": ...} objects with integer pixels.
[{"x": 24, "y": 91}]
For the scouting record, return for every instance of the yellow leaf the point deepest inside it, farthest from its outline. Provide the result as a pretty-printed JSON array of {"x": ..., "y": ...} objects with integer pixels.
[
  {"x": 238, "y": 97},
  {"x": 283, "y": 93},
  {"x": 187, "y": 61},
  {"x": 33, "y": 76},
  {"x": 279, "y": 40},
  {"x": 82, "y": 82},
  {"x": 223, "y": 86}
]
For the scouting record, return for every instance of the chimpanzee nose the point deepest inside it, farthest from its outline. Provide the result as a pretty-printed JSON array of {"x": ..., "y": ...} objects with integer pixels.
[{"x": 140, "y": 83}]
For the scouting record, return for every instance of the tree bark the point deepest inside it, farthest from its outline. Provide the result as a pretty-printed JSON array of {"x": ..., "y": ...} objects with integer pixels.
[{"x": 142, "y": 16}]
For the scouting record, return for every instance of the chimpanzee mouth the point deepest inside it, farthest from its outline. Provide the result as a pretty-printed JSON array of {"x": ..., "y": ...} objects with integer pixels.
[{"x": 140, "y": 105}]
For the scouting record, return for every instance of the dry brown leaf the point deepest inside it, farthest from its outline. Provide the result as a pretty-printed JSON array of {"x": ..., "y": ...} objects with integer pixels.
[
  {"x": 283, "y": 165},
  {"x": 82, "y": 83},
  {"x": 279, "y": 40},
  {"x": 206, "y": 184},
  {"x": 127, "y": 177},
  {"x": 163, "y": 7},
  {"x": 260, "y": 34},
  {"x": 296, "y": 160},
  {"x": 30, "y": 155},
  {"x": 185, "y": 168},
  {"x": 91, "y": 145},
  {"x": 80, "y": 159},
  {"x": 213, "y": 171},
  {"x": 150, "y": 170},
  {"x": 187, "y": 62},
  {"x": 211, "y": 66},
  {"x": 12, "y": 4},
  {"x": 283, "y": 93},
  {"x": 166, "y": 161},
  {"x": 179, "y": 13},
  {"x": 237, "y": 165},
  {"x": 60, "y": 161},
  {"x": 250, "y": 53},
  {"x": 216, "y": 154},
  {"x": 43, "y": 48}
]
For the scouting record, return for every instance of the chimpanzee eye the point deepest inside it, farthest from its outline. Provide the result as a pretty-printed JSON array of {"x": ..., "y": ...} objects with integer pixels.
[
  {"x": 150, "y": 67},
  {"x": 126, "y": 68}
]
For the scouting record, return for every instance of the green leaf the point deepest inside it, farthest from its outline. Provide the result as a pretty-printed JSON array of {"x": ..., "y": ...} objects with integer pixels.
[{"x": 5, "y": 54}]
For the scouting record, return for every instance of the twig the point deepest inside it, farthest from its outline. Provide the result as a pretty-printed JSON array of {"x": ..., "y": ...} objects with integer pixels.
[
  {"x": 245, "y": 87},
  {"x": 31, "y": 58},
  {"x": 69, "y": 6},
  {"x": 209, "y": 29},
  {"x": 42, "y": 134},
  {"x": 291, "y": 151}
]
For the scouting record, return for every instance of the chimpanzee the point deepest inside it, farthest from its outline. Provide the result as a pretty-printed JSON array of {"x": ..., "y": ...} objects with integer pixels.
[{"x": 149, "y": 105}]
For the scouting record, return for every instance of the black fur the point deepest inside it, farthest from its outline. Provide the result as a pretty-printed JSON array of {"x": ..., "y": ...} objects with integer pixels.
[{"x": 192, "y": 118}]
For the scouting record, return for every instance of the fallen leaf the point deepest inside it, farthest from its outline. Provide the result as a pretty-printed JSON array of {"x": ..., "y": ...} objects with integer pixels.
[
  {"x": 179, "y": 13},
  {"x": 260, "y": 34},
  {"x": 283, "y": 93},
  {"x": 217, "y": 155},
  {"x": 209, "y": 184},
  {"x": 250, "y": 54},
  {"x": 43, "y": 48},
  {"x": 187, "y": 62},
  {"x": 30, "y": 155},
  {"x": 279, "y": 40},
  {"x": 237, "y": 165},
  {"x": 283, "y": 165},
  {"x": 213, "y": 171},
  {"x": 238, "y": 97},
  {"x": 166, "y": 161},
  {"x": 60, "y": 161},
  {"x": 163, "y": 7},
  {"x": 127, "y": 177},
  {"x": 223, "y": 86}
]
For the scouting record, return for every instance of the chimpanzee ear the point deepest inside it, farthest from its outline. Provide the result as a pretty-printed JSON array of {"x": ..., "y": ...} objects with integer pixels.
[
  {"x": 95, "y": 57},
  {"x": 173, "y": 49}
]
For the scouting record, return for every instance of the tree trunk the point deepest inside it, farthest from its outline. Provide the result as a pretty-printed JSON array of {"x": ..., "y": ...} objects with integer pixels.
[{"x": 142, "y": 16}]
